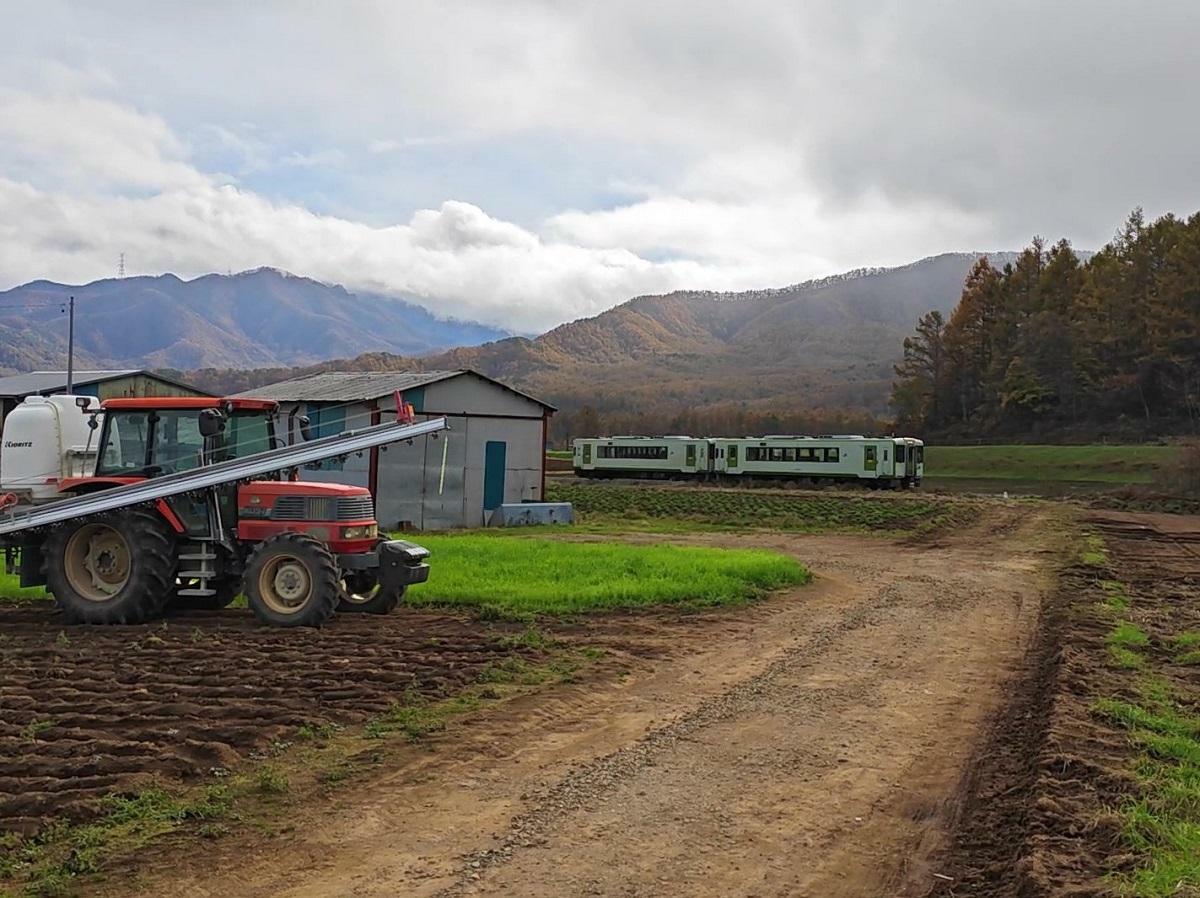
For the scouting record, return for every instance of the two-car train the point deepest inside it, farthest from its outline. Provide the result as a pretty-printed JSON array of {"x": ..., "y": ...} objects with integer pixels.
[{"x": 885, "y": 462}]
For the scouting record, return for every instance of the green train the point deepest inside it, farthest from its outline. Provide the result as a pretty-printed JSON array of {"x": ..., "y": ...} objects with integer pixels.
[{"x": 885, "y": 462}]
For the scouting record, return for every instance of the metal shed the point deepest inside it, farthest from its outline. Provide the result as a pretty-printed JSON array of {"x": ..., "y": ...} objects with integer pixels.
[
  {"x": 101, "y": 384},
  {"x": 494, "y": 451}
]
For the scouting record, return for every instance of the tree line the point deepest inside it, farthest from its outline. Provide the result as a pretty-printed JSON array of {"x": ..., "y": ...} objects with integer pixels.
[{"x": 1055, "y": 345}]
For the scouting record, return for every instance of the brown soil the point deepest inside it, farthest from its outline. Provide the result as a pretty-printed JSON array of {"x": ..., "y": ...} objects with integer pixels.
[
  {"x": 1039, "y": 815},
  {"x": 89, "y": 711},
  {"x": 817, "y": 743}
]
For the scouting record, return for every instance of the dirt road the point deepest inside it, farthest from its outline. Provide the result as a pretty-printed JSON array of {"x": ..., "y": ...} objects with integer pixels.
[{"x": 813, "y": 744}]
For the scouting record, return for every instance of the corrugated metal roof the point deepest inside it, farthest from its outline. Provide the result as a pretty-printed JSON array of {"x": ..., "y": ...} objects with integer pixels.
[
  {"x": 340, "y": 386},
  {"x": 45, "y": 381},
  {"x": 337, "y": 386}
]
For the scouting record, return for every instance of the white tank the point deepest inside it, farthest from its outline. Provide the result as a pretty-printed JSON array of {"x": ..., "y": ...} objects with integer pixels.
[{"x": 45, "y": 439}]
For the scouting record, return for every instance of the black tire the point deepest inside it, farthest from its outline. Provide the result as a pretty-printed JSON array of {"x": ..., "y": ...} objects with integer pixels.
[
  {"x": 292, "y": 581},
  {"x": 115, "y": 568},
  {"x": 361, "y": 593},
  {"x": 228, "y": 589}
]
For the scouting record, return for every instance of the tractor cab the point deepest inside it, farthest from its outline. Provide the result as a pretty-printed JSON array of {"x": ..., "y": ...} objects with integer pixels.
[{"x": 151, "y": 437}]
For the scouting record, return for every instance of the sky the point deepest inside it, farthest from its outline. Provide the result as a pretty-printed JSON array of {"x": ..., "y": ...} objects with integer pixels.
[{"x": 528, "y": 163}]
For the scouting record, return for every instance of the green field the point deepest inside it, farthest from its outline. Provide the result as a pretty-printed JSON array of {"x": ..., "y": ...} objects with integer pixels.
[
  {"x": 10, "y": 590},
  {"x": 560, "y": 454},
  {"x": 649, "y": 508},
  {"x": 517, "y": 575},
  {"x": 1093, "y": 464}
]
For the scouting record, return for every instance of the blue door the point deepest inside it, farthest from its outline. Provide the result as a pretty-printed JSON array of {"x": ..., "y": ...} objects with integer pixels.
[{"x": 494, "y": 455}]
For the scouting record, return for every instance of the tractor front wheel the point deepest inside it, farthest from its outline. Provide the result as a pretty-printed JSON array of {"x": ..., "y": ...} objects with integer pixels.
[
  {"x": 292, "y": 581},
  {"x": 111, "y": 569},
  {"x": 362, "y": 593}
]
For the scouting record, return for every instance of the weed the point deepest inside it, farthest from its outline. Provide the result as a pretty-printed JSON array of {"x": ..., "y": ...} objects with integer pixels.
[
  {"x": 197, "y": 635},
  {"x": 1093, "y": 553},
  {"x": 417, "y": 719},
  {"x": 270, "y": 781},
  {"x": 31, "y": 730},
  {"x": 62, "y": 640},
  {"x": 1116, "y": 598},
  {"x": 1123, "y": 642},
  {"x": 309, "y": 732},
  {"x": 531, "y": 638}
]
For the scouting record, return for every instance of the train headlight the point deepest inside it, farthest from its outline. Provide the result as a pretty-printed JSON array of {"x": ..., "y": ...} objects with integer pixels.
[{"x": 360, "y": 531}]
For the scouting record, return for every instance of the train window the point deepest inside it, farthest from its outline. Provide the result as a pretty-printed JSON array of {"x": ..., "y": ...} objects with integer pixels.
[
  {"x": 900, "y": 453},
  {"x": 920, "y": 455},
  {"x": 776, "y": 454},
  {"x": 885, "y": 457},
  {"x": 640, "y": 453},
  {"x": 804, "y": 455},
  {"x": 831, "y": 454}
]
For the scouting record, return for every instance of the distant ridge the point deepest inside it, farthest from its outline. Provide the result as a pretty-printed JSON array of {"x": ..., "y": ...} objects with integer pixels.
[
  {"x": 830, "y": 342},
  {"x": 251, "y": 319}
]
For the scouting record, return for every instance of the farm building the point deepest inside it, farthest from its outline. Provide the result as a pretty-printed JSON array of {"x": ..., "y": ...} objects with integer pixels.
[
  {"x": 101, "y": 384},
  {"x": 494, "y": 451}
]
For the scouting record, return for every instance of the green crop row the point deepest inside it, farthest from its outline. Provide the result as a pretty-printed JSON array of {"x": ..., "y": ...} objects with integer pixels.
[{"x": 751, "y": 508}]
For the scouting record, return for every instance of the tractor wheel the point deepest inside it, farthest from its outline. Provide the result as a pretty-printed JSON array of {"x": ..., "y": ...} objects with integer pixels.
[
  {"x": 362, "y": 593},
  {"x": 292, "y": 581},
  {"x": 228, "y": 589},
  {"x": 112, "y": 569}
]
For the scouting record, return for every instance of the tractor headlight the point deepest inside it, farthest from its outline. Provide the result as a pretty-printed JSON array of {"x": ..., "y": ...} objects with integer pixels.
[{"x": 361, "y": 531}]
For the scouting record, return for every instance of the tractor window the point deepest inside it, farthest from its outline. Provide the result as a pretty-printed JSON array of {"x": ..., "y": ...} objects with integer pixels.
[
  {"x": 140, "y": 443},
  {"x": 177, "y": 441},
  {"x": 247, "y": 434}
]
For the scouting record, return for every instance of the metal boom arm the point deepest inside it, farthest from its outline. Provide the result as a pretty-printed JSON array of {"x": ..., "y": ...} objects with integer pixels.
[{"x": 216, "y": 475}]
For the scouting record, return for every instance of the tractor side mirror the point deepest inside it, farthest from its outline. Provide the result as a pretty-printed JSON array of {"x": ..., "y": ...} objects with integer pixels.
[
  {"x": 93, "y": 423},
  {"x": 305, "y": 427},
  {"x": 212, "y": 423}
]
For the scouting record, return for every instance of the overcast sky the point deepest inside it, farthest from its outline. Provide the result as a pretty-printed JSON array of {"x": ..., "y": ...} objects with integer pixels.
[{"x": 525, "y": 164}]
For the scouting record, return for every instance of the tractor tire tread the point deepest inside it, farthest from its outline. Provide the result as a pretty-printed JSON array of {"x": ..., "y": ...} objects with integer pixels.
[{"x": 326, "y": 581}]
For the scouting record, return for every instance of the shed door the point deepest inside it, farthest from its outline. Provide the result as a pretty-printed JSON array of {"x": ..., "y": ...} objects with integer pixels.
[{"x": 494, "y": 457}]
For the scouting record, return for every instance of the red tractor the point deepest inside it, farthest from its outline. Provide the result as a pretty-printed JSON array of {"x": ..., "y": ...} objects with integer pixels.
[{"x": 299, "y": 551}]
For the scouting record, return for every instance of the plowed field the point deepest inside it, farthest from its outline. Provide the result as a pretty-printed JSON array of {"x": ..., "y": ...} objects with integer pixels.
[{"x": 84, "y": 712}]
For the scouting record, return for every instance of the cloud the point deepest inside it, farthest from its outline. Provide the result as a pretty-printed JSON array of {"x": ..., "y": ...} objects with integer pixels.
[{"x": 529, "y": 167}]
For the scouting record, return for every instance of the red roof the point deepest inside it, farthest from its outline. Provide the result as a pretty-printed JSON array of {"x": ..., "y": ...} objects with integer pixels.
[{"x": 185, "y": 402}]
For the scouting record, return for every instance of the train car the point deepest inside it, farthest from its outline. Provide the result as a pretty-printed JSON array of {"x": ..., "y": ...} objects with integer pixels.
[
  {"x": 634, "y": 456},
  {"x": 815, "y": 459},
  {"x": 909, "y": 455}
]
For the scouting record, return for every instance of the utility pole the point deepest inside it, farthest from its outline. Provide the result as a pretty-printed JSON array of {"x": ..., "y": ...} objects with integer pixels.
[{"x": 70, "y": 345}]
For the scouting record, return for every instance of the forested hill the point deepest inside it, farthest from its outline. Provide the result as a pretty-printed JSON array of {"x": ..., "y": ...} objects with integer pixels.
[
  {"x": 1052, "y": 346},
  {"x": 676, "y": 361},
  {"x": 252, "y": 318}
]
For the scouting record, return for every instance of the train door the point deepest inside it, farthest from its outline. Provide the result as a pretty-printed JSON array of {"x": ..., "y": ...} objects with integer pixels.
[
  {"x": 910, "y": 463},
  {"x": 731, "y": 461},
  {"x": 690, "y": 458},
  {"x": 870, "y": 462},
  {"x": 587, "y": 453}
]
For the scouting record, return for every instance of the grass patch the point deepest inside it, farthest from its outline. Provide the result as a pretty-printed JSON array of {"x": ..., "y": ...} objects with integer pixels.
[
  {"x": 1123, "y": 644},
  {"x": 1163, "y": 824},
  {"x": 1080, "y": 464},
  {"x": 11, "y": 591},
  {"x": 518, "y": 576},
  {"x": 1115, "y": 597},
  {"x": 700, "y": 509},
  {"x": 1093, "y": 553},
  {"x": 50, "y": 864}
]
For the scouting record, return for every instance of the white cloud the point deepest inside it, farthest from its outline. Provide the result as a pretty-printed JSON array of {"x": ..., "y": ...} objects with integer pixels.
[{"x": 775, "y": 141}]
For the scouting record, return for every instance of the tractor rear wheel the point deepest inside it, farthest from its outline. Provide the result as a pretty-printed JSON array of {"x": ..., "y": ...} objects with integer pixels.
[
  {"x": 362, "y": 593},
  {"x": 112, "y": 569},
  {"x": 292, "y": 581}
]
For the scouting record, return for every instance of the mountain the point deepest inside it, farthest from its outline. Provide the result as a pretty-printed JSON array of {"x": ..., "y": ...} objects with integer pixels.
[
  {"x": 825, "y": 343},
  {"x": 248, "y": 320}
]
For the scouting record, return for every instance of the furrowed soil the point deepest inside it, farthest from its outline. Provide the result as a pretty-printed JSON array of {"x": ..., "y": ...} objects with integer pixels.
[
  {"x": 825, "y": 741},
  {"x": 1041, "y": 804},
  {"x": 89, "y": 711}
]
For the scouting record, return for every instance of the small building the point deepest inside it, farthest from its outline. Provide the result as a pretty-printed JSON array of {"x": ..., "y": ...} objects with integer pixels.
[
  {"x": 492, "y": 453},
  {"x": 101, "y": 384}
]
